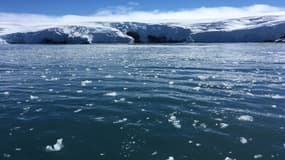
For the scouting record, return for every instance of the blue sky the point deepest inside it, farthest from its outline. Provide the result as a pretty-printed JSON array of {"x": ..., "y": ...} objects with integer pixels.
[{"x": 89, "y": 7}]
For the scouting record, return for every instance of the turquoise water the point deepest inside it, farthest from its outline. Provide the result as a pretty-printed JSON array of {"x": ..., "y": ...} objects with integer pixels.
[{"x": 142, "y": 102}]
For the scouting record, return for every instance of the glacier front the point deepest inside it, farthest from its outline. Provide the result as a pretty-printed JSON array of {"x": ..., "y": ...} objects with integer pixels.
[{"x": 247, "y": 29}]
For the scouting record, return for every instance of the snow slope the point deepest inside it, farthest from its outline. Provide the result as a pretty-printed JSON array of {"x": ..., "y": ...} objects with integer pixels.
[
  {"x": 69, "y": 35},
  {"x": 259, "y": 34},
  {"x": 248, "y": 29}
]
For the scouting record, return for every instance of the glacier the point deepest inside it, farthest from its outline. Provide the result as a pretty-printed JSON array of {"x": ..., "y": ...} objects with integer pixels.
[{"x": 247, "y": 29}]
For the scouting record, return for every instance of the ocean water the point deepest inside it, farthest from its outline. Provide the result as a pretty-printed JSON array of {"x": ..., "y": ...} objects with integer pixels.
[{"x": 142, "y": 102}]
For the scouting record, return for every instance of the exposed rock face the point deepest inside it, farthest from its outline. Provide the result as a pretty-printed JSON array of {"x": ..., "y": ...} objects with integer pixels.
[{"x": 154, "y": 33}]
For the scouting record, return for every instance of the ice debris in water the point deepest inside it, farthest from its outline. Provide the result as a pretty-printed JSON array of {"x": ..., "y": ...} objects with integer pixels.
[
  {"x": 33, "y": 97},
  {"x": 203, "y": 77},
  {"x": 6, "y": 155},
  {"x": 228, "y": 158},
  {"x": 170, "y": 82},
  {"x": 245, "y": 118},
  {"x": 274, "y": 106},
  {"x": 170, "y": 158},
  {"x": 278, "y": 97},
  {"x": 109, "y": 76},
  {"x": 6, "y": 93},
  {"x": 196, "y": 88},
  {"x": 85, "y": 83},
  {"x": 120, "y": 121},
  {"x": 112, "y": 94},
  {"x": 56, "y": 147},
  {"x": 243, "y": 140},
  {"x": 257, "y": 156},
  {"x": 78, "y": 110},
  {"x": 154, "y": 153},
  {"x": 79, "y": 91},
  {"x": 172, "y": 119},
  {"x": 223, "y": 125}
]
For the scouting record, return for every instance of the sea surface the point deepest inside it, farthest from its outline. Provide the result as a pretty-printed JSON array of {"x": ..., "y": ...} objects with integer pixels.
[{"x": 142, "y": 102}]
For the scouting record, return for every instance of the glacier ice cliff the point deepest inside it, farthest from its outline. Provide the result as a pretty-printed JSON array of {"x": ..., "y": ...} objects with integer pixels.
[{"x": 248, "y": 29}]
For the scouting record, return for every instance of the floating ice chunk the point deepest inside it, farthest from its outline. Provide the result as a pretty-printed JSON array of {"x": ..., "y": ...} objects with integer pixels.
[
  {"x": 78, "y": 110},
  {"x": 278, "y": 97},
  {"x": 250, "y": 94},
  {"x": 196, "y": 88},
  {"x": 6, "y": 155},
  {"x": 228, "y": 158},
  {"x": 56, "y": 147},
  {"x": 33, "y": 97},
  {"x": 243, "y": 140},
  {"x": 203, "y": 77},
  {"x": 176, "y": 123},
  {"x": 121, "y": 121},
  {"x": 257, "y": 156},
  {"x": 39, "y": 110},
  {"x": 120, "y": 100},
  {"x": 170, "y": 158},
  {"x": 85, "y": 83},
  {"x": 170, "y": 82},
  {"x": 274, "y": 106},
  {"x": 198, "y": 144},
  {"x": 284, "y": 145},
  {"x": 18, "y": 149},
  {"x": 154, "y": 153},
  {"x": 79, "y": 91},
  {"x": 245, "y": 118},
  {"x": 6, "y": 93},
  {"x": 109, "y": 76},
  {"x": 223, "y": 125},
  {"x": 54, "y": 79},
  {"x": 203, "y": 125},
  {"x": 112, "y": 94}
]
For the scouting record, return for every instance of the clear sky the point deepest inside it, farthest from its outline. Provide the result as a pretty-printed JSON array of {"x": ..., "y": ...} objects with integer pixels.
[{"x": 89, "y": 7}]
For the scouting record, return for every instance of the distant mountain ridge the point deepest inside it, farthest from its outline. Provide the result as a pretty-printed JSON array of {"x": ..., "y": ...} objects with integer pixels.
[{"x": 248, "y": 29}]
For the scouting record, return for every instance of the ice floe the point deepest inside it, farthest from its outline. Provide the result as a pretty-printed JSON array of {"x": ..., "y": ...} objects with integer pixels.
[
  {"x": 170, "y": 158},
  {"x": 154, "y": 153},
  {"x": 77, "y": 110},
  {"x": 86, "y": 82},
  {"x": 111, "y": 94},
  {"x": 257, "y": 156},
  {"x": 56, "y": 147},
  {"x": 243, "y": 140},
  {"x": 33, "y": 97},
  {"x": 175, "y": 122},
  {"x": 6, "y": 93},
  {"x": 229, "y": 158},
  {"x": 6, "y": 155},
  {"x": 120, "y": 121},
  {"x": 223, "y": 125},
  {"x": 170, "y": 82},
  {"x": 245, "y": 118}
]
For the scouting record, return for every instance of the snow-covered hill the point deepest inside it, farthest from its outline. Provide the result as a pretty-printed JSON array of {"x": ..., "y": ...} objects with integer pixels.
[{"x": 248, "y": 29}]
